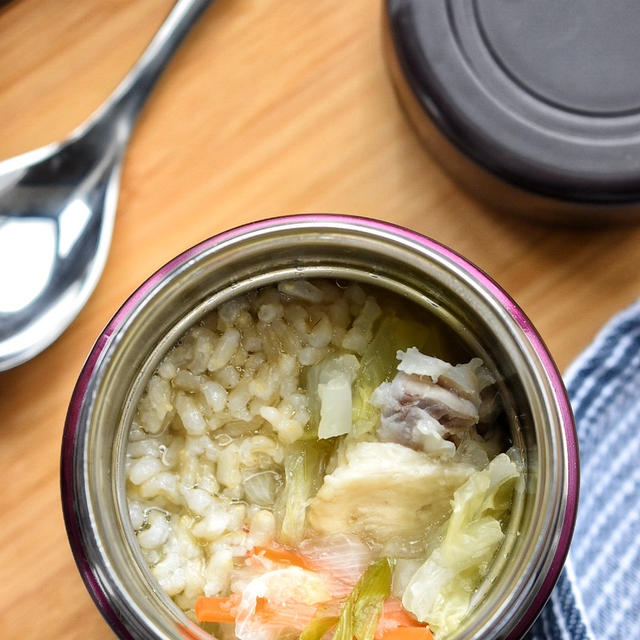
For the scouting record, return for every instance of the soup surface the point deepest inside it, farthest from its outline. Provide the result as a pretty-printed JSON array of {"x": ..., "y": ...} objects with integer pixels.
[{"x": 318, "y": 459}]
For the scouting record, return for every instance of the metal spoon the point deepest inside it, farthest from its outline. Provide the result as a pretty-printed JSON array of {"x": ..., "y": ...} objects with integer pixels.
[{"x": 57, "y": 207}]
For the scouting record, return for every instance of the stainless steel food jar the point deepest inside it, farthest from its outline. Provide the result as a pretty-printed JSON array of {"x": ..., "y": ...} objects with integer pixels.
[{"x": 158, "y": 313}]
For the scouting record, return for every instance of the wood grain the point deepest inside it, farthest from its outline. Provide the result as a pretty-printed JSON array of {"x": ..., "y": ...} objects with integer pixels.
[{"x": 271, "y": 107}]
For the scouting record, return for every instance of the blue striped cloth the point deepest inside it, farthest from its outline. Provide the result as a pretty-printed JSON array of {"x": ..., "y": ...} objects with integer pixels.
[{"x": 598, "y": 594}]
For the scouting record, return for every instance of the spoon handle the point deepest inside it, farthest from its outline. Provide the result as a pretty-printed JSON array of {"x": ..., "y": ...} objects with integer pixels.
[{"x": 126, "y": 101}]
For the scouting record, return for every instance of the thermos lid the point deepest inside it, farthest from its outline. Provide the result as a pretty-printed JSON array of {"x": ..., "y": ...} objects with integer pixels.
[{"x": 543, "y": 94}]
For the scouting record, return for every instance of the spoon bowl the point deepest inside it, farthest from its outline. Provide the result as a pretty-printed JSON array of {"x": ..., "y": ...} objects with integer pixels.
[
  {"x": 58, "y": 204},
  {"x": 54, "y": 237}
]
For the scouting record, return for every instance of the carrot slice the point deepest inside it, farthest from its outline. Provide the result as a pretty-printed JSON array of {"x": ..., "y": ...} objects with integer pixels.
[
  {"x": 408, "y": 633},
  {"x": 216, "y": 609},
  {"x": 281, "y": 555},
  {"x": 395, "y": 616}
]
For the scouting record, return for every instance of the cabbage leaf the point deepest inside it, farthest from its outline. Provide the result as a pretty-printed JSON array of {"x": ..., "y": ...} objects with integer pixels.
[
  {"x": 334, "y": 379},
  {"x": 329, "y": 385},
  {"x": 440, "y": 591}
]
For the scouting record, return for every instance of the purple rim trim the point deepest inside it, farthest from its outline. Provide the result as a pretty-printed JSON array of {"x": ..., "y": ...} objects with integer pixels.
[
  {"x": 72, "y": 524},
  {"x": 73, "y": 415}
]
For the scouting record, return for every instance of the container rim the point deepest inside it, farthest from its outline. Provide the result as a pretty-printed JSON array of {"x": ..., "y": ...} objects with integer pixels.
[{"x": 72, "y": 425}]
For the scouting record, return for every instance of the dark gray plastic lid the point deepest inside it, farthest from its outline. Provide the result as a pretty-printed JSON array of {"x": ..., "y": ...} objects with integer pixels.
[{"x": 544, "y": 94}]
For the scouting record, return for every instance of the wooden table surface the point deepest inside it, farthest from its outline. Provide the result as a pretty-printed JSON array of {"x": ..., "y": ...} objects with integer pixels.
[{"x": 270, "y": 107}]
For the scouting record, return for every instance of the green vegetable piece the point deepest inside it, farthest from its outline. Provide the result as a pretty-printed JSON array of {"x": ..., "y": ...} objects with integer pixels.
[
  {"x": 379, "y": 363},
  {"x": 363, "y": 608},
  {"x": 317, "y": 628},
  {"x": 344, "y": 630},
  {"x": 304, "y": 466}
]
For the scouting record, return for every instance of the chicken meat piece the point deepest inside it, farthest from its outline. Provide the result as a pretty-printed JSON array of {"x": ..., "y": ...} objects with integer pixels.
[
  {"x": 468, "y": 380},
  {"x": 429, "y": 400},
  {"x": 388, "y": 495}
]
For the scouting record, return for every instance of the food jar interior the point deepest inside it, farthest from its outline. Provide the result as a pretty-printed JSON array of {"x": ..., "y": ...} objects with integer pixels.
[{"x": 226, "y": 269}]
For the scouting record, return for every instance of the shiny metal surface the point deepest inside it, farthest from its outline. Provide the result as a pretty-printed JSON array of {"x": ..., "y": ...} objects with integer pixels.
[
  {"x": 57, "y": 206},
  {"x": 93, "y": 485}
]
